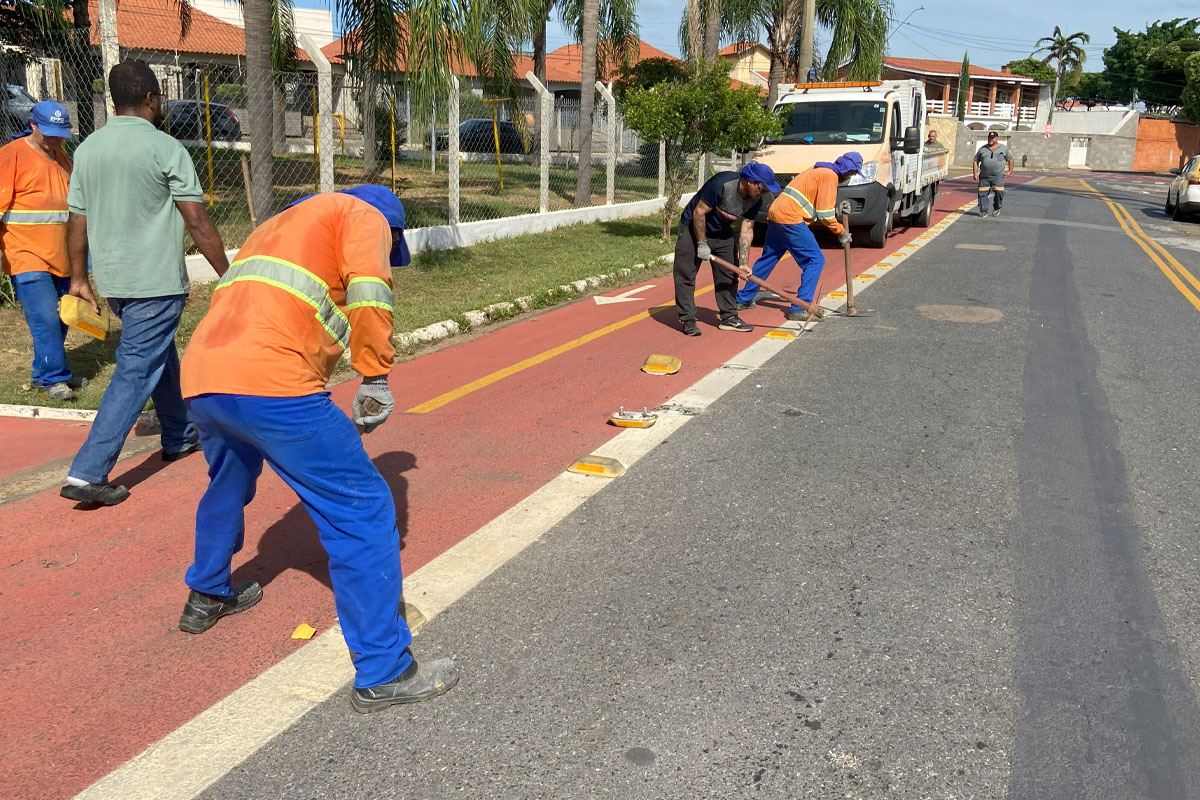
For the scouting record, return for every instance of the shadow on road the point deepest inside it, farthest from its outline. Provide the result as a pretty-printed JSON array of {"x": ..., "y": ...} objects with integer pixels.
[{"x": 293, "y": 543}]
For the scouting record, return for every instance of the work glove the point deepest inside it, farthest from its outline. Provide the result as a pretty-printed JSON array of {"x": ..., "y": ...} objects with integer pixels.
[
  {"x": 844, "y": 237},
  {"x": 703, "y": 251},
  {"x": 372, "y": 389}
]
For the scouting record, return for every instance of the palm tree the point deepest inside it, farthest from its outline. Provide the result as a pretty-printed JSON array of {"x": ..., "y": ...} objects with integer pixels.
[
  {"x": 858, "y": 35},
  {"x": 1069, "y": 54},
  {"x": 587, "y": 96}
]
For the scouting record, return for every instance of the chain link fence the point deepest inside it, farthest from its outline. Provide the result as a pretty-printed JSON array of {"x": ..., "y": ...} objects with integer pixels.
[{"x": 507, "y": 158}]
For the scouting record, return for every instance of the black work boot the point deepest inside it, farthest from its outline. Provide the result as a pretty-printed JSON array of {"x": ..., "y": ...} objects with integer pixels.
[
  {"x": 418, "y": 682},
  {"x": 202, "y": 611},
  {"x": 95, "y": 494},
  {"x": 689, "y": 327}
]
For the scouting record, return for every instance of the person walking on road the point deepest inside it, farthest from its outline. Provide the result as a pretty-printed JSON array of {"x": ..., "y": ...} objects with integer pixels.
[
  {"x": 133, "y": 192},
  {"x": 308, "y": 283},
  {"x": 34, "y": 176},
  {"x": 705, "y": 228},
  {"x": 810, "y": 197},
  {"x": 993, "y": 163}
]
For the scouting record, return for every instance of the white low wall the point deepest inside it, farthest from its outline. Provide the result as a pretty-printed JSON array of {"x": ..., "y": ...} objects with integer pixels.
[{"x": 449, "y": 237}]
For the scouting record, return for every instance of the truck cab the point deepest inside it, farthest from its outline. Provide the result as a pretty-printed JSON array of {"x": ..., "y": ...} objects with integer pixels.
[{"x": 885, "y": 123}]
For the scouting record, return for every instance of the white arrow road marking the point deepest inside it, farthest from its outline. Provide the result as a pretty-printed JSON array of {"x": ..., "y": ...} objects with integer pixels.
[{"x": 624, "y": 297}]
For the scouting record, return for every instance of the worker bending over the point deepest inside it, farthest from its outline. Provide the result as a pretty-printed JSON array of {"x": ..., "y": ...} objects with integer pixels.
[
  {"x": 308, "y": 283},
  {"x": 705, "y": 228},
  {"x": 810, "y": 197}
]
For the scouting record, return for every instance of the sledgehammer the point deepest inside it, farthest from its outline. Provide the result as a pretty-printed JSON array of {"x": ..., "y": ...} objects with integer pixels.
[{"x": 813, "y": 309}]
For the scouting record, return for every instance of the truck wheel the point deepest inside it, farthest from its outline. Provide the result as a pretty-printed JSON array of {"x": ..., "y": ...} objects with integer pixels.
[
  {"x": 877, "y": 235},
  {"x": 922, "y": 218}
]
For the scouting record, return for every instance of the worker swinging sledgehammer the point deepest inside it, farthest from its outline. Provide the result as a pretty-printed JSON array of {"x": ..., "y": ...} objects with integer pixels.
[
  {"x": 810, "y": 197},
  {"x": 308, "y": 283}
]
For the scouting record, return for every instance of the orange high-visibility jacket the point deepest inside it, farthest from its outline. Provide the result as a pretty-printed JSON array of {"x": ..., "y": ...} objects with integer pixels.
[
  {"x": 33, "y": 209},
  {"x": 309, "y": 282},
  {"x": 811, "y": 196}
]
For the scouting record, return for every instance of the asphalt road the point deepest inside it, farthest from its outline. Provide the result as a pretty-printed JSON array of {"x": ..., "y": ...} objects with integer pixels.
[{"x": 945, "y": 550}]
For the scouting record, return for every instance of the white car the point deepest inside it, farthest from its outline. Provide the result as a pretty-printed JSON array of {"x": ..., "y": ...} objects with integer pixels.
[{"x": 1183, "y": 195}]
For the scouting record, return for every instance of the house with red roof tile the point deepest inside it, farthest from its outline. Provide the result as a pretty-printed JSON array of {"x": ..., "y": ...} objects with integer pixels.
[
  {"x": 751, "y": 63},
  {"x": 996, "y": 99}
]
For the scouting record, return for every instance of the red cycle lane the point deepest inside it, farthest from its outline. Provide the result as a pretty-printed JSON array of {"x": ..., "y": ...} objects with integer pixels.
[{"x": 93, "y": 670}]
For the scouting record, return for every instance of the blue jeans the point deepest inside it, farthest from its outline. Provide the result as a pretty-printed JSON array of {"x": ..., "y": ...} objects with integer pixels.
[
  {"x": 315, "y": 449},
  {"x": 147, "y": 367},
  {"x": 38, "y": 294},
  {"x": 799, "y": 241}
]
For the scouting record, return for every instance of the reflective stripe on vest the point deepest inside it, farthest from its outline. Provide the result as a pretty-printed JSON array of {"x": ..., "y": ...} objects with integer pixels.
[
  {"x": 296, "y": 281},
  {"x": 801, "y": 200},
  {"x": 373, "y": 292},
  {"x": 15, "y": 217},
  {"x": 825, "y": 213}
]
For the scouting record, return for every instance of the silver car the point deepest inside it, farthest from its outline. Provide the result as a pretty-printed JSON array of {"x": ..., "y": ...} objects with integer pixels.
[{"x": 1183, "y": 195}]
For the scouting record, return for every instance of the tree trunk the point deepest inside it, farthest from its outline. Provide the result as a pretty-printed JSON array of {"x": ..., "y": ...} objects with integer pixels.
[
  {"x": 279, "y": 119},
  {"x": 370, "y": 169},
  {"x": 712, "y": 30},
  {"x": 694, "y": 30},
  {"x": 259, "y": 106},
  {"x": 773, "y": 79},
  {"x": 809, "y": 21},
  {"x": 1054, "y": 95},
  {"x": 79, "y": 69},
  {"x": 587, "y": 98},
  {"x": 539, "y": 70}
]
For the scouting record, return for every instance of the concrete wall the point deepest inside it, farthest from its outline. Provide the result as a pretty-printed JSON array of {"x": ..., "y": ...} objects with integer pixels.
[
  {"x": 1088, "y": 123},
  {"x": 1163, "y": 144},
  {"x": 1031, "y": 150}
]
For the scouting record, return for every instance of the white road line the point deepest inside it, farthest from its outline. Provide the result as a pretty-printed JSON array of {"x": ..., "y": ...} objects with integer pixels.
[{"x": 196, "y": 755}]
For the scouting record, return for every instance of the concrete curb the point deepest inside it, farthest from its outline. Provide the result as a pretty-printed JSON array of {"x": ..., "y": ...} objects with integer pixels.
[{"x": 147, "y": 422}]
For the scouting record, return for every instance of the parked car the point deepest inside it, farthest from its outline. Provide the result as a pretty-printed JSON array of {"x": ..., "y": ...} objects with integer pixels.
[
  {"x": 477, "y": 136},
  {"x": 1183, "y": 195},
  {"x": 185, "y": 120},
  {"x": 17, "y": 105}
]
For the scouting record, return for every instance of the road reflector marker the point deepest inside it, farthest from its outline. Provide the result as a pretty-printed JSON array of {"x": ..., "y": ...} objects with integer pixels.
[
  {"x": 632, "y": 419},
  {"x": 836, "y": 294},
  {"x": 779, "y": 334},
  {"x": 865, "y": 277},
  {"x": 912, "y": 246},
  {"x": 656, "y": 364},
  {"x": 882, "y": 265},
  {"x": 597, "y": 466},
  {"x": 303, "y": 631}
]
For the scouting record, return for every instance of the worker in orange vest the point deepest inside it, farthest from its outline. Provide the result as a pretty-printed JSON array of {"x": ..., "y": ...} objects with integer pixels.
[
  {"x": 810, "y": 197},
  {"x": 34, "y": 175},
  {"x": 308, "y": 283}
]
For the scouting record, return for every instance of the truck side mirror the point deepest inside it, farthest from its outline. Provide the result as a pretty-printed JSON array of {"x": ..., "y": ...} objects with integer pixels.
[{"x": 912, "y": 140}]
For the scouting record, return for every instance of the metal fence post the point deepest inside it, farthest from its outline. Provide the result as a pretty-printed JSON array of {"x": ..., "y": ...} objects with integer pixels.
[
  {"x": 662, "y": 169},
  {"x": 452, "y": 151},
  {"x": 610, "y": 133},
  {"x": 700, "y": 160},
  {"x": 545, "y": 111},
  {"x": 324, "y": 111},
  {"x": 110, "y": 50}
]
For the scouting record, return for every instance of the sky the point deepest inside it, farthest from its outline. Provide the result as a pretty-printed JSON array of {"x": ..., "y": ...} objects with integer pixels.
[{"x": 992, "y": 33}]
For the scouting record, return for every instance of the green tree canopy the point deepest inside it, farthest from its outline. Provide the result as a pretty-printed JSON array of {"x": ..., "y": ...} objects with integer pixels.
[
  {"x": 1152, "y": 62},
  {"x": 1033, "y": 68},
  {"x": 695, "y": 111}
]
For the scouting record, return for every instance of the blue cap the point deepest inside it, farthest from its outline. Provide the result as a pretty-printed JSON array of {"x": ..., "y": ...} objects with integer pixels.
[
  {"x": 755, "y": 171},
  {"x": 850, "y": 162},
  {"x": 393, "y": 211},
  {"x": 51, "y": 118}
]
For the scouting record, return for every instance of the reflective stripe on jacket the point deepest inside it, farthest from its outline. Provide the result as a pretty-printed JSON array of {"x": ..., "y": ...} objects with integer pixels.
[
  {"x": 309, "y": 283},
  {"x": 33, "y": 209},
  {"x": 810, "y": 197}
]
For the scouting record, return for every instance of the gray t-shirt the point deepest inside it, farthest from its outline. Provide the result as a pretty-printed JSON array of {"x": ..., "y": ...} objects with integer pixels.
[
  {"x": 993, "y": 163},
  {"x": 126, "y": 180}
]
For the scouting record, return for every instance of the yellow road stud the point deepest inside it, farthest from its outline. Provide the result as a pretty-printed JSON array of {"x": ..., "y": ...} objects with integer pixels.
[
  {"x": 632, "y": 419},
  {"x": 597, "y": 466},
  {"x": 656, "y": 364},
  {"x": 836, "y": 294},
  {"x": 779, "y": 334}
]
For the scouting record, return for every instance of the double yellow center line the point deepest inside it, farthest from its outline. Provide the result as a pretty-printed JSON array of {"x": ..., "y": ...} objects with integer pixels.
[{"x": 1176, "y": 273}]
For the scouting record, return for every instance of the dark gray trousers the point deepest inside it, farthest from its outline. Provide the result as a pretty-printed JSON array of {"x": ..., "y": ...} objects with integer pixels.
[{"x": 687, "y": 266}]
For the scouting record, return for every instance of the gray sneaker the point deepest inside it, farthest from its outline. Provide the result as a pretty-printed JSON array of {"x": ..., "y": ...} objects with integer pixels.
[
  {"x": 747, "y": 305},
  {"x": 734, "y": 324},
  {"x": 800, "y": 315},
  {"x": 418, "y": 682},
  {"x": 61, "y": 392}
]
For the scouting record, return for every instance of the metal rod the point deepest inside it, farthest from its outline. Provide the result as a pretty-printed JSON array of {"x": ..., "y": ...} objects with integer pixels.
[
  {"x": 850, "y": 309},
  {"x": 208, "y": 143},
  {"x": 812, "y": 308},
  {"x": 249, "y": 196}
]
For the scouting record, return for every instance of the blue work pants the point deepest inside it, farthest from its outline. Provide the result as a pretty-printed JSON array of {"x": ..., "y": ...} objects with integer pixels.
[
  {"x": 317, "y": 451},
  {"x": 38, "y": 294},
  {"x": 147, "y": 367},
  {"x": 799, "y": 241}
]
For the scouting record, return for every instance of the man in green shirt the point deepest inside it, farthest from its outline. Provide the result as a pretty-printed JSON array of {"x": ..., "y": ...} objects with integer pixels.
[{"x": 134, "y": 191}]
